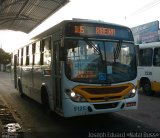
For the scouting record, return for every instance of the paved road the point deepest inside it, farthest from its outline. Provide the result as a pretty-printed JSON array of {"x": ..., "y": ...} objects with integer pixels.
[
  {"x": 148, "y": 110},
  {"x": 35, "y": 123}
]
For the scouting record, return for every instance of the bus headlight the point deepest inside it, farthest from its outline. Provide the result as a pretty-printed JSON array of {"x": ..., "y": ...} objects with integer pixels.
[
  {"x": 131, "y": 94},
  {"x": 75, "y": 96}
]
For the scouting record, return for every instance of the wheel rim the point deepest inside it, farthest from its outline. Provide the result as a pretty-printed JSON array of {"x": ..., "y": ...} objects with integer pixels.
[{"x": 147, "y": 87}]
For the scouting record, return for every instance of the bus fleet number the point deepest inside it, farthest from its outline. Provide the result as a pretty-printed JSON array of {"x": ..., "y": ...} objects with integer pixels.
[
  {"x": 80, "y": 108},
  {"x": 148, "y": 73}
]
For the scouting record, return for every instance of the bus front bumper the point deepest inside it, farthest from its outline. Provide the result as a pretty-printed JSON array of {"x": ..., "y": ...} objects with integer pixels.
[{"x": 71, "y": 108}]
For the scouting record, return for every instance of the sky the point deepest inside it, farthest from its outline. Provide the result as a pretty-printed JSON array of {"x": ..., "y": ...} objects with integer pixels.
[{"x": 130, "y": 13}]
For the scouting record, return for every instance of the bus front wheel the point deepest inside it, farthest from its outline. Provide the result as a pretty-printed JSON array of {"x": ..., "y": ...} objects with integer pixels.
[
  {"x": 45, "y": 102},
  {"x": 147, "y": 88}
]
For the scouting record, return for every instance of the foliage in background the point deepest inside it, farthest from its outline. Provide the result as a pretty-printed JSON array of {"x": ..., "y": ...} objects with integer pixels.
[{"x": 5, "y": 57}]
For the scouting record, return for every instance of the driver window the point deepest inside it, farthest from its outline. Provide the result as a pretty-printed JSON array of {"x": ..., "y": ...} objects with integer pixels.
[{"x": 156, "y": 57}]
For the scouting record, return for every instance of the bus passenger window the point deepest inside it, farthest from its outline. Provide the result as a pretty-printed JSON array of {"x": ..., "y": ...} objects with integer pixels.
[
  {"x": 157, "y": 57},
  {"x": 46, "y": 52},
  {"x": 37, "y": 54},
  {"x": 145, "y": 57},
  {"x": 27, "y": 55},
  {"x": 30, "y": 55},
  {"x": 21, "y": 56},
  {"x": 24, "y": 56}
]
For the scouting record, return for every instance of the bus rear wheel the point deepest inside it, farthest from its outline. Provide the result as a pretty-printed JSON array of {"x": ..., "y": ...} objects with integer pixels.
[
  {"x": 20, "y": 89},
  {"x": 147, "y": 88}
]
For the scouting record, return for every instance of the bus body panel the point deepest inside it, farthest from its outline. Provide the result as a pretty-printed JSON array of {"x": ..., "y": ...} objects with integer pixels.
[
  {"x": 156, "y": 79},
  {"x": 25, "y": 80},
  {"x": 49, "y": 75},
  {"x": 37, "y": 81},
  {"x": 77, "y": 109},
  {"x": 71, "y": 108},
  {"x": 150, "y": 72}
]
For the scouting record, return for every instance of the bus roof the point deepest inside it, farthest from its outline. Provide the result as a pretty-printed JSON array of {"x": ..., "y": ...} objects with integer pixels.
[
  {"x": 149, "y": 45},
  {"x": 87, "y": 21}
]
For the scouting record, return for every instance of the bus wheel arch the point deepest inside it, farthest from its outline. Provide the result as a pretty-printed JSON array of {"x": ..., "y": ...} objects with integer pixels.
[
  {"x": 146, "y": 86},
  {"x": 45, "y": 99}
]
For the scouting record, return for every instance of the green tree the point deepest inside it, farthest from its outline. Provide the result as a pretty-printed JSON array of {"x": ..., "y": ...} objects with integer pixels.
[{"x": 5, "y": 57}]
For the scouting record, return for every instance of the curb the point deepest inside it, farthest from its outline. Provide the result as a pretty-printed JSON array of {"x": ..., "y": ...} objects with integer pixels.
[{"x": 8, "y": 124}]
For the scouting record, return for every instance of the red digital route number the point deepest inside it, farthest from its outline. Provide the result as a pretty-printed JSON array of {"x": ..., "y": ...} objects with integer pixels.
[
  {"x": 103, "y": 31},
  {"x": 79, "y": 29}
]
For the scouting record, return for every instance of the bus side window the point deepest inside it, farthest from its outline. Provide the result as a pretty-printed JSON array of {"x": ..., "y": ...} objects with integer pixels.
[
  {"x": 19, "y": 57},
  {"x": 37, "y": 53},
  {"x": 46, "y": 51},
  {"x": 30, "y": 55},
  {"x": 24, "y": 56},
  {"x": 145, "y": 57},
  {"x": 156, "y": 57},
  {"x": 27, "y": 55}
]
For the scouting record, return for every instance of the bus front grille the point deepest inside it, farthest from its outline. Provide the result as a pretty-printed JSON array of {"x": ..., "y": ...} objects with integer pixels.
[
  {"x": 106, "y": 105},
  {"x": 104, "y": 93},
  {"x": 107, "y": 98},
  {"x": 106, "y": 90}
]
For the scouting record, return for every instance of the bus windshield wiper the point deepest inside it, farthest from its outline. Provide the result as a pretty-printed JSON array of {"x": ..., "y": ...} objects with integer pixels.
[
  {"x": 96, "y": 48},
  {"x": 117, "y": 50}
]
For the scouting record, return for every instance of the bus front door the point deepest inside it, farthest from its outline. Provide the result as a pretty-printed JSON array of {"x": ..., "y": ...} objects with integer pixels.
[
  {"x": 15, "y": 71},
  {"x": 57, "y": 77}
]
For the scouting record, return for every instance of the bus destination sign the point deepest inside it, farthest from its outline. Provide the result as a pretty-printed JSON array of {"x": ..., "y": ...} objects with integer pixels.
[{"x": 99, "y": 31}]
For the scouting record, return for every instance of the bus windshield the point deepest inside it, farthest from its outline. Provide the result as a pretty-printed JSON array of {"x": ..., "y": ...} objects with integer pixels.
[{"x": 100, "y": 61}]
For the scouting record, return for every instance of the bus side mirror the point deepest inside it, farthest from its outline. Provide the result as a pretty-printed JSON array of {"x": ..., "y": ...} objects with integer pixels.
[{"x": 61, "y": 54}]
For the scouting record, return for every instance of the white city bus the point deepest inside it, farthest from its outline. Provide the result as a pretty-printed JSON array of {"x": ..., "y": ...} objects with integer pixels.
[
  {"x": 79, "y": 67},
  {"x": 149, "y": 67}
]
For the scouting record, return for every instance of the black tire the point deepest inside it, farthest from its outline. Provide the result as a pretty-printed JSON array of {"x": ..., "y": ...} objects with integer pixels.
[
  {"x": 147, "y": 88},
  {"x": 20, "y": 90}
]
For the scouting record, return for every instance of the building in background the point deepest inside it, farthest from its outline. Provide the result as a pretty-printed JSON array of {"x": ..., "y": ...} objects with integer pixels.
[{"x": 146, "y": 33}]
